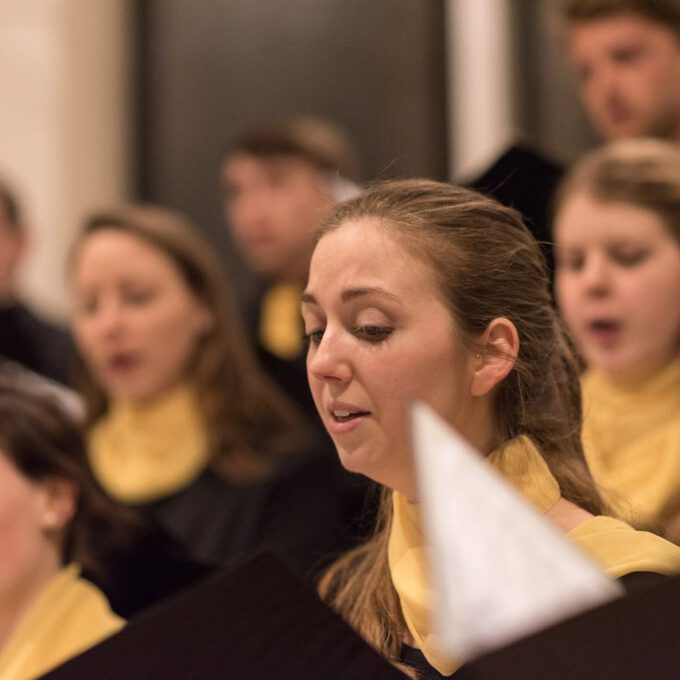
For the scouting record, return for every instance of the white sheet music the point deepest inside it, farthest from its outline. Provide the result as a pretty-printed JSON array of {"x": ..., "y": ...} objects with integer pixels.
[{"x": 501, "y": 570}]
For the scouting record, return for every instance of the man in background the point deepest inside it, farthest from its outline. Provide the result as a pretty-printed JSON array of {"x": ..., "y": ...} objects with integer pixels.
[
  {"x": 280, "y": 182},
  {"x": 626, "y": 55},
  {"x": 25, "y": 338}
]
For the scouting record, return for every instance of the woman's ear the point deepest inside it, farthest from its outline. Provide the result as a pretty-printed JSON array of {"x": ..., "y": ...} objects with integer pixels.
[
  {"x": 496, "y": 355},
  {"x": 60, "y": 499}
]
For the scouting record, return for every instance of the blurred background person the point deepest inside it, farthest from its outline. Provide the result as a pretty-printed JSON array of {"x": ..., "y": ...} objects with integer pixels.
[
  {"x": 617, "y": 228},
  {"x": 423, "y": 291},
  {"x": 280, "y": 181},
  {"x": 25, "y": 337},
  {"x": 54, "y": 520},
  {"x": 626, "y": 57},
  {"x": 181, "y": 423}
]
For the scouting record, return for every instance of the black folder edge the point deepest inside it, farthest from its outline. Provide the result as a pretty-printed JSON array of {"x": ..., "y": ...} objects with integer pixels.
[
  {"x": 634, "y": 637},
  {"x": 255, "y": 621}
]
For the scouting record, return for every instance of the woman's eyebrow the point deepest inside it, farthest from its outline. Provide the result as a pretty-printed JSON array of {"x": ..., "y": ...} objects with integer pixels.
[{"x": 350, "y": 294}]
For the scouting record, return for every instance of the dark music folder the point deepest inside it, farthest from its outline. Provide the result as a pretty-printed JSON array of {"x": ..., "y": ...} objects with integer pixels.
[
  {"x": 632, "y": 638},
  {"x": 257, "y": 621}
]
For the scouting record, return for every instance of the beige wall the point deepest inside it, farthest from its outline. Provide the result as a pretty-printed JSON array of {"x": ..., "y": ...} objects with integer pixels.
[
  {"x": 64, "y": 123},
  {"x": 480, "y": 84}
]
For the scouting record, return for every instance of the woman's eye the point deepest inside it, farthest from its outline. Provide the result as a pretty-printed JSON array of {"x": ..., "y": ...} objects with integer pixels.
[
  {"x": 629, "y": 258},
  {"x": 314, "y": 337},
  {"x": 86, "y": 307},
  {"x": 372, "y": 333},
  {"x": 139, "y": 297},
  {"x": 571, "y": 261}
]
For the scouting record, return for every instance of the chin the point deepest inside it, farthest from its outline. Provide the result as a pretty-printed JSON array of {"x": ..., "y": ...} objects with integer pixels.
[{"x": 353, "y": 460}]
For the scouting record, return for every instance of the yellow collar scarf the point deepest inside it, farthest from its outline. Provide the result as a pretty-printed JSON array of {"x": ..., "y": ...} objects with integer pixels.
[
  {"x": 281, "y": 326},
  {"x": 68, "y": 616},
  {"x": 632, "y": 442},
  {"x": 140, "y": 454},
  {"x": 521, "y": 464},
  {"x": 611, "y": 543}
]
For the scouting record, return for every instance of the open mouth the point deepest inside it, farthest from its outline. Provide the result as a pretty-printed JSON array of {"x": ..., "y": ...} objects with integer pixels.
[
  {"x": 343, "y": 416},
  {"x": 603, "y": 326},
  {"x": 122, "y": 362},
  {"x": 604, "y": 330}
]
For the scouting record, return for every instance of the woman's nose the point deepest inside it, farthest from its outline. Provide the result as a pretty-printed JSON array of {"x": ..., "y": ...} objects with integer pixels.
[
  {"x": 108, "y": 318},
  {"x": 329, "y": 360},
  {"x": 596, "y": 276}
]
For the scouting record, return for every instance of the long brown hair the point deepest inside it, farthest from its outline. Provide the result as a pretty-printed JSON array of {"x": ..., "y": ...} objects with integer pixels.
[
  {"x": 247, "y": 418},
  {"x": 487, "y": 265}
]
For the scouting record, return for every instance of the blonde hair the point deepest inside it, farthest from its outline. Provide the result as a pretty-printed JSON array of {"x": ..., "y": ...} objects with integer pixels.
[{"x": 641, "y": 172}]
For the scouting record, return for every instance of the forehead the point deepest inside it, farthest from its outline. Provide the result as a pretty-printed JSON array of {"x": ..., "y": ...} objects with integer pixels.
[
  {"x": 112, "y": 250},
  {"x": 585, "y": 219},
  {"x": 242, "y": 166},
  {"x": 367, "y": 252}
]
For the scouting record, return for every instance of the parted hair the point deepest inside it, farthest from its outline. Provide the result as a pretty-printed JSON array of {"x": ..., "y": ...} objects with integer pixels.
[
  {"x": 664, "y": 12},
  {"x": 486, "y": 265},
  {"x": 248, "y": 419},
  {"x": 641, "y": 172}
]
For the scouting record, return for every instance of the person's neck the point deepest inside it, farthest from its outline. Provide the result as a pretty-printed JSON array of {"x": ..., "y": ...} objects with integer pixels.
[
  {"x": 633, "y": 379},
  {"x": 18, "y": 599},
  {"x": 566, "y": 515},
  {"x": 149, "y": 402}
]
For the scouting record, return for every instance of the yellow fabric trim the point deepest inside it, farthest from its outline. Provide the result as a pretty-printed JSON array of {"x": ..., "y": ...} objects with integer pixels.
[
  {"x": 69, "y": 616},
  {"x": 281, "y": 326},
  {"x": 617, "y": 547},
  {"x": 522, "y": 465},
  {"x": 632, "y": 442},
  {"x": 620, "y": 549},
  {"x": 140, "y": 454}
]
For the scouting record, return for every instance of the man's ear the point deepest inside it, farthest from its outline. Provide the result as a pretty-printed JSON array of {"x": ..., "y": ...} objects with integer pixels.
[{"x": 496, "y": 355}]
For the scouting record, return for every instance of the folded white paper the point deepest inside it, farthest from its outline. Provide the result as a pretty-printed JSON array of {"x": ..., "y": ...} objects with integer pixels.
[{"x": 500, "y": 570}]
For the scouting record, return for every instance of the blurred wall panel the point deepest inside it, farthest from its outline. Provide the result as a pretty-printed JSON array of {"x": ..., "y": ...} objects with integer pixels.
[
  {"x": 64, "y": 124},
  {"x": 550, "y": 113},
  {"x": 210, "y": 66}
]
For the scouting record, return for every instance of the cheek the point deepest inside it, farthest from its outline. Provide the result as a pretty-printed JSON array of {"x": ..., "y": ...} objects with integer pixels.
[
  {"x": 655, "y": 300},
  {"x": 177, "y": 347},
  {"x": 435, "y": 379},
  {"x": 20, "y": 531},
  {"x": 566, "y": 294}
]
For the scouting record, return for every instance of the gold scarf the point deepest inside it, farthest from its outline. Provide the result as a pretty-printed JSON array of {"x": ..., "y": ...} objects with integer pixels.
[
  {"x": 142, "y": 453},
  {"x": 281, "y": 325},
  {"x": 617, "y": 547},
  {"x": 69, "y": 616},
  {"x": 632, "y": 442}
]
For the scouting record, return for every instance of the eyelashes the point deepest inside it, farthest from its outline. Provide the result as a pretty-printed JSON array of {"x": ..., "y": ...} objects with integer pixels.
[
  {"x": 370, "y": 334},
  {"x": 313, "y": 337}
]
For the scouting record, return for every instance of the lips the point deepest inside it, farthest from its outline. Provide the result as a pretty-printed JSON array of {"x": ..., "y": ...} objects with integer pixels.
[
  {"x": 605, "y": 331},
  {"x": 121, "y": 362},
  {"x": 344, "y": 417}
]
